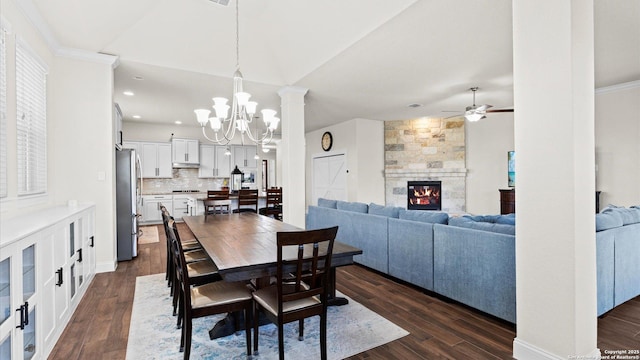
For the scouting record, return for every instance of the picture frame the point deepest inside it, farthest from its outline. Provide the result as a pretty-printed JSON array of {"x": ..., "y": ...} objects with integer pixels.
[{"x": 511, "y": 168}]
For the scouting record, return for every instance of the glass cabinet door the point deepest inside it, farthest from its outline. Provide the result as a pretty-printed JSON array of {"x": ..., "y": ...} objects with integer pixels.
[
  {"x": 28, "y": 273},
  {"x": 29, "y": 336},
  {"x": 5, "y": 289},
  {"x": 5, "y": 348}
]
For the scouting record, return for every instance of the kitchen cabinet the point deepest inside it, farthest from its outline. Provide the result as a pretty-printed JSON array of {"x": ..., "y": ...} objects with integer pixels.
[
  {"x": 117, "y": 113},
  {"x": 180, "y": 206},
  {"x": 214, "y": 162},
  {"x": 185, "y": 151},
  {"x": 151, "y": 207},
  {"x": 244, "y": 156},
  {"x": 45, "y": 269},
  {"x": 156, "y": 160}
]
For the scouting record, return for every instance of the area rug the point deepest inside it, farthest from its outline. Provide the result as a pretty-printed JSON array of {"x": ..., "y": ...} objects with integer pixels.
[
  {"x": 352, "y": 329},
  {"x": 149, "y": 235}
]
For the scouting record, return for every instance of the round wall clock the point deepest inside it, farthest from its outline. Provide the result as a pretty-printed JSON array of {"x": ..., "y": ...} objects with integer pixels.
[{"x": 327, "y": 141}]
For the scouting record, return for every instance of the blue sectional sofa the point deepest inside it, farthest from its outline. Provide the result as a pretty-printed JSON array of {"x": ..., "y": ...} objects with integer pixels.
[{"x": 471, "y": 259}]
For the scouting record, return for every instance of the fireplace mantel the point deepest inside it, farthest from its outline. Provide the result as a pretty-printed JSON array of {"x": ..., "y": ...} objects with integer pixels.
[{"x": 425, "y": 173}]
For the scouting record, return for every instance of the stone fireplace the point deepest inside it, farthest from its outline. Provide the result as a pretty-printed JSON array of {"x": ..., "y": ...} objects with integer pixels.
[{"x": 426, "y": 150}]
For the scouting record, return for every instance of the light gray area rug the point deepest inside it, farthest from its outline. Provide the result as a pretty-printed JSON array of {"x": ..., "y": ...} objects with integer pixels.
[{"x": 352, "y": 329}]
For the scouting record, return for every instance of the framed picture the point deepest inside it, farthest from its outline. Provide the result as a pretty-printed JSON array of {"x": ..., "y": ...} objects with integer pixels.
[{"x": 511, "y": 168}]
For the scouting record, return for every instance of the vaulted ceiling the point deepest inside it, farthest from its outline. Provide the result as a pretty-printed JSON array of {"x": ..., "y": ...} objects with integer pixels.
[{"x": 358, "y": 58}]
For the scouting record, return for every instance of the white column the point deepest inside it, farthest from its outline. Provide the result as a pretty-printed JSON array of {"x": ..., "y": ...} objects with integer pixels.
[
  {"x": 554, "y": 140},
  {"x": 291, "y": 155}
]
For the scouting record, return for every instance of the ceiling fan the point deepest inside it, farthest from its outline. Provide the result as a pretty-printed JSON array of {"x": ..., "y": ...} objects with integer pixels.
[{"x": 478, "y": 112}]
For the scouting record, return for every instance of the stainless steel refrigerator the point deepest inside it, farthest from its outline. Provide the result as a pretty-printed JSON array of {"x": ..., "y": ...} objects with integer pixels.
[{"x": 128, "y": 193}]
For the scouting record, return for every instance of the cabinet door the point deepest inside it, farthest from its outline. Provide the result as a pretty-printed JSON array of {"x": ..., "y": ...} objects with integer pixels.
[
  {"x": 179, "y": 150},
  {"x": 207, "y": 161},
  {"x": 165, "y": 168},
  {"x": 149, "y": 160},
  {"x": 54, "y": 286},
  {"x": 192, "y": 151},
  {"x": 250, "y": 156},
  {"x": 223, "y": 162}
]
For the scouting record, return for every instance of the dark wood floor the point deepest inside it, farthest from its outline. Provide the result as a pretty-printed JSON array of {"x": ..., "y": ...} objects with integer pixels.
[{"x": 438, "y": 328}]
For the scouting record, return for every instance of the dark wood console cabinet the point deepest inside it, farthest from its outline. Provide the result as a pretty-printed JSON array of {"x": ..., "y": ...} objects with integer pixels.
[{"x": 507, "y": 201}]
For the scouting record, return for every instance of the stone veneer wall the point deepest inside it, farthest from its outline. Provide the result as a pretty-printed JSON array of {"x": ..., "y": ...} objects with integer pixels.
[{"x": 426, "y": 149}]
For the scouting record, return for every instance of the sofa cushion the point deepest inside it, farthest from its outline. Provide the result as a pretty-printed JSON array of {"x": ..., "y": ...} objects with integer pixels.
[
  {"x": 469, "y": 222},
  {"x": 388, "y": 211},
  {"x": 328, "y": 203},
  {"x": 352, "y": 206},
  {"x": 509, "y": 219},
  {"x": 608, "y": 220},
  {"x": 629, "y": 216},
  {"x": 433, "y": 217}
]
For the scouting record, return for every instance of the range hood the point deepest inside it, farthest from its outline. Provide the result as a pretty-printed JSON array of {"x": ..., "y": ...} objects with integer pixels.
[{"x": 185, "y": 165}]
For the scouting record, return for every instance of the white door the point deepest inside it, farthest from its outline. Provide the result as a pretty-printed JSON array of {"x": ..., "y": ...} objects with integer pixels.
[{"x": 329, "y": 178}]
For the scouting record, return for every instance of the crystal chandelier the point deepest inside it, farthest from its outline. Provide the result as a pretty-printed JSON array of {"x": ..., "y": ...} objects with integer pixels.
[{"x": 242, "y": 111}]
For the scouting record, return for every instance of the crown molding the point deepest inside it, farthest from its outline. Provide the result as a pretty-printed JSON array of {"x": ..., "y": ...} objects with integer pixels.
[
  {"x": 32, "y": 13},
  {"x": 618, "y": 87}
]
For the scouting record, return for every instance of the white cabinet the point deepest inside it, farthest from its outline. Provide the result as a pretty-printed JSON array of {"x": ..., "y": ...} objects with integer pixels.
[
  {"x": 156, "y": 160},
  {"x": 244, "y": 156},
  {"x": 214, "y": 162},
  {"x": 45, "y": 269},
  {"x": 185, "y": 151},
  {"x": 151, "y": 207},
  {"x": 180, "y": 206}
]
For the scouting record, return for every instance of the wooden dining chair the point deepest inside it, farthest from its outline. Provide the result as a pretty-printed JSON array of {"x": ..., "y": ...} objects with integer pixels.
[
  {"x": 208, "y": 299},
  {"x": 216, "y": 199},
  {"x": 247, "y": 197},
  {"x": 274, "y": 203},
  {"x": 302, "y": 284},
  {"x": 201, "y": 271},
  {"x": 187, "y": 245}
]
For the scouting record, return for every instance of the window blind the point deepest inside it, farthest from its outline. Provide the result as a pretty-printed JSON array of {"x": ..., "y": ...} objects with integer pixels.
[
  {"x": 3, "y": 113},
  {"x": 31, "y": 122}
]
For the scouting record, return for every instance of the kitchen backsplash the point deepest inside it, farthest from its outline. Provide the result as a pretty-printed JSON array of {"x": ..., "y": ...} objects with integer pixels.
[{"x": 183, "y": 179}]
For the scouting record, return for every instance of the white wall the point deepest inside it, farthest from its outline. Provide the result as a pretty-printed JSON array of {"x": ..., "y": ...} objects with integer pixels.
[
  {"x": 80, "y": 151},
  {"x": 362, "y": 141},
  {"x": 618, "y": 145},
  {"x": 488, "y": 142}
]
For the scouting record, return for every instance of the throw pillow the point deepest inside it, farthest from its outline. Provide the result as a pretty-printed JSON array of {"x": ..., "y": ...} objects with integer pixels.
[
  {"x": 352, "y": 206},
  {"x": 328, "y": 203}
]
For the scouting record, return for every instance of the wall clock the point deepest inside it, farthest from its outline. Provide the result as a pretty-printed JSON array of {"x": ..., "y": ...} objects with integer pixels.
[{"x": 327, "y": 141}]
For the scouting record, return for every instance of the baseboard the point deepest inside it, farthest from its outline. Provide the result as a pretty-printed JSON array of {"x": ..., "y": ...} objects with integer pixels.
[
  {"x": 525, "y": 351},
  {"x": 106, "y": 267}
]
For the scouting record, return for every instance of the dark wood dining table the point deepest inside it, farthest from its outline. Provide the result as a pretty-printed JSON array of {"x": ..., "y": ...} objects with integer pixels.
[{"x": 243, "y": 247}]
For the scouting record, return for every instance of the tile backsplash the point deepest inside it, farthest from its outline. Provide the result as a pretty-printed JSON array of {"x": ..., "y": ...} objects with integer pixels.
[{"x": 183, "y": 179}]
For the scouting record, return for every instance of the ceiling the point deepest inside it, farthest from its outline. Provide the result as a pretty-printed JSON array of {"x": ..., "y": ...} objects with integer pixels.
[{"x": 358, "y": 58}]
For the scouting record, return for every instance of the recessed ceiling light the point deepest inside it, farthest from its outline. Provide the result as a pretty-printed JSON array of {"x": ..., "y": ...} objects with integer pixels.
[
  {"x": 137, "y": 117},
  {"x": 178, "y": 122},
  {"x": 414, "y": 105},
  {"x": 128, "y": 93},
  {"x": 138, "y": 77}
]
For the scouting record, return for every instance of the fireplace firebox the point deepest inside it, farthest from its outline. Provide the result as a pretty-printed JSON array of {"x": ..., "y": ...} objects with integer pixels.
[{"x": 424, "y": 195}]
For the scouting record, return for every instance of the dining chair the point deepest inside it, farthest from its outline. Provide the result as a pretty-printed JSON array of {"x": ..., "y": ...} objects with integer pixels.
[
  {"x": 208, "y": 299},
  {"x": 247, "y": 197},
  {"x": 302, "y": 284},
  {"x": 274, "y": 203},
  {"x": 217, "y": 199},
  {"x": 187, "y": 245}
]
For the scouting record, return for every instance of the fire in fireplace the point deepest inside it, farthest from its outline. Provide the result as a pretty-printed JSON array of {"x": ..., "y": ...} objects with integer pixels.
[{"x": 424, "y": 195}]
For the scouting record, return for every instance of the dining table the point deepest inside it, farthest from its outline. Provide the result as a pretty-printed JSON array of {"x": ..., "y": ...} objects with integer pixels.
[{"x": 243, "y": 247}]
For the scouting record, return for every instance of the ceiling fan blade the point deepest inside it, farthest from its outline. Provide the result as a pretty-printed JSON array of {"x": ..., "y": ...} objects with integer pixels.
[
  {"x": 483, "y": 107},
  {"x": 499, "y": 110},
  {"x": 455, "y": 116}
]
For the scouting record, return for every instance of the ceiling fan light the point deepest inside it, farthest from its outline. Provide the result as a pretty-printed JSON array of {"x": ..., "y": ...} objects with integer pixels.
[{"x": 473, "y": 117}]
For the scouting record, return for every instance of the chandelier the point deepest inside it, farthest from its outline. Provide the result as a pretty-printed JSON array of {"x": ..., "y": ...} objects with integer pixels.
[{"x": 242, "y": 112}]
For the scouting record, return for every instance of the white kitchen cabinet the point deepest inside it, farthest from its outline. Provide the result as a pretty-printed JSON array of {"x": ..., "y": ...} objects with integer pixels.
[
  {"x": 180, "y": 206},
  {"x": 151, "y": 207},
  {"x": 244, "y": 156},
  {"x": 185, "y": 151},
  {"x": 38, "y": 289},
  {"x": 214, "y": 162},
  {"x": 156, "y": 160}
]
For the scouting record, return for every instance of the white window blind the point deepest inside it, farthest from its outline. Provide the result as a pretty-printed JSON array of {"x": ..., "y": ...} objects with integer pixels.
[
  {"x": 31, "y": 122},
  {"x": 3, "y": 114}
]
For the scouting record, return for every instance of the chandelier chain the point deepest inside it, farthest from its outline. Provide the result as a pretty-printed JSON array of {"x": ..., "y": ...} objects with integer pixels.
[{"x": 237, "y": 35}]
